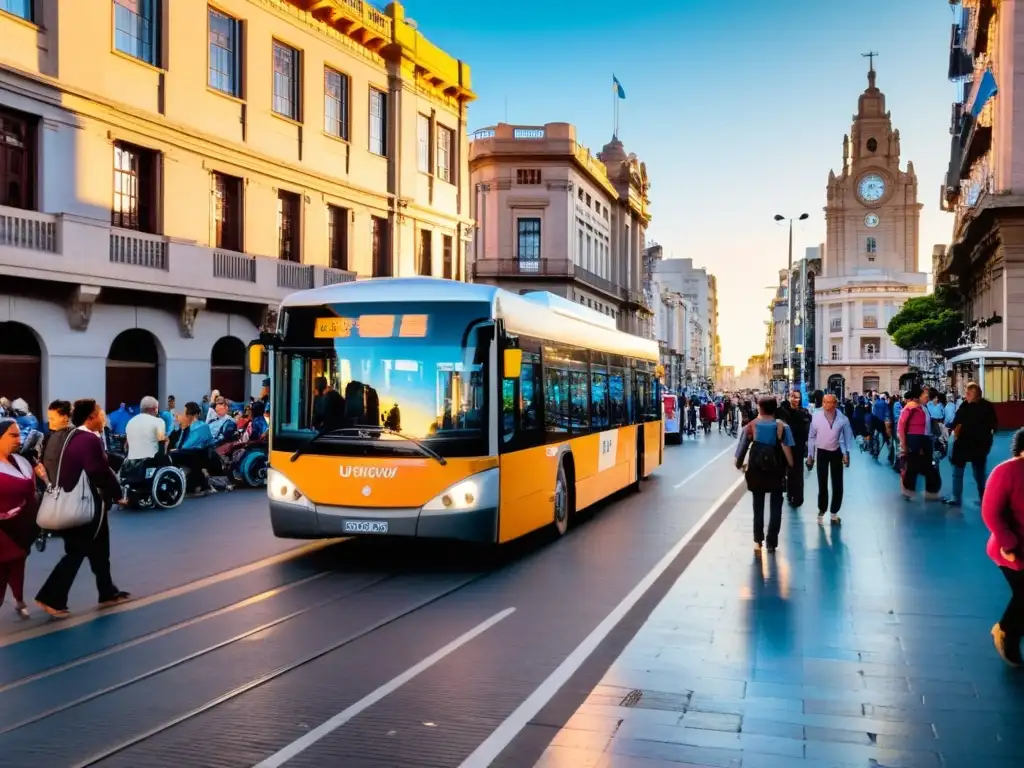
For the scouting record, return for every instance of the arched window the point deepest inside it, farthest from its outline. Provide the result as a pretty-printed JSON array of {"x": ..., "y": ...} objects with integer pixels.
[{"x": 871, "y": 246}]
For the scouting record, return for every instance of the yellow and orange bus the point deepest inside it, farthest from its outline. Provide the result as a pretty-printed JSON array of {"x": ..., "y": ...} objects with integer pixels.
[{"x": 452, "y": 410}]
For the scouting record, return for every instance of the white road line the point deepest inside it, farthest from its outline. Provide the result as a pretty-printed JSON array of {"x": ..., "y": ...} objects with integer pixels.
[
  {"x": 503, "y": 735},
  {"x": 302, "y": 744},
  {"x": 679, "y": 485}
]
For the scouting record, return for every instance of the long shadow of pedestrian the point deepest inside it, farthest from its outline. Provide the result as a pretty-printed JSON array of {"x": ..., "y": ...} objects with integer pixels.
[{"x": 769, "y": 611}]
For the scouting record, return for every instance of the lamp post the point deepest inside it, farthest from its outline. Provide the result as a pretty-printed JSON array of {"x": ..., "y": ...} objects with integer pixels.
[{"x": 789, "y": 296}]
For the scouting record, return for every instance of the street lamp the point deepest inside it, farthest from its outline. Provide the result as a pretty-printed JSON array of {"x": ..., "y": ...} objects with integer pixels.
[{"x": 789, "y": 293}]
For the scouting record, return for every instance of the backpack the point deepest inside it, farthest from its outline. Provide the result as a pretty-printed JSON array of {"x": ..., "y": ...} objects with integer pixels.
[{"x": 765, "y": 463}]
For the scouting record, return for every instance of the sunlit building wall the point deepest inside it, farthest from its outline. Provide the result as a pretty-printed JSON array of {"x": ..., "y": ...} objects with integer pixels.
[{"x": 173, "y": 170}]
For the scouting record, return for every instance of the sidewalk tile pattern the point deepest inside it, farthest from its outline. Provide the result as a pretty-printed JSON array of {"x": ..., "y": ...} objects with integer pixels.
[{"x": 855, "y": 646}]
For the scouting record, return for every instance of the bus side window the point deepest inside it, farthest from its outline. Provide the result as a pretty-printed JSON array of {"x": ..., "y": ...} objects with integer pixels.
[
  {"x": 599, "y": 391},
  {"x": 556, "y": 390},
  {"x": 509, "y": 396},
  {"x": 529, "y": 403}
]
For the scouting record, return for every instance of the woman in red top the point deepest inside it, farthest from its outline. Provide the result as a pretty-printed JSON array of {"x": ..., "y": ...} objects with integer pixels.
[
  {"x": 17, "y": 514},
  {"x": 1002, "y": 509}
]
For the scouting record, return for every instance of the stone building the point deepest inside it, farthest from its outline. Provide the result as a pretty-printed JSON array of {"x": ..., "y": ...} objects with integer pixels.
[
  {"x": 170, "y": 171},
  {"x": 551, "y": 216},
  {"x": 870, "y": 264}
]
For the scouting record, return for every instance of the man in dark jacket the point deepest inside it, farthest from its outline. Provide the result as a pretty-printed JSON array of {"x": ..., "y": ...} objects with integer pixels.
[
  {"x": 798, "y": 418},
  {"x": 973, "y": 429}
]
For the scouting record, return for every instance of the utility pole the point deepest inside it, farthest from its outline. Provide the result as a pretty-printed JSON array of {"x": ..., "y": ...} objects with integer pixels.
[{"x": 790, "y": 300}]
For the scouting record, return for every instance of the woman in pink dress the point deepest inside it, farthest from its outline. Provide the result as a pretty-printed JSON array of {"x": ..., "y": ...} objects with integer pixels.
[
  {"x": 1002, "y": 509},
  {"x": 17, "y": 514}
]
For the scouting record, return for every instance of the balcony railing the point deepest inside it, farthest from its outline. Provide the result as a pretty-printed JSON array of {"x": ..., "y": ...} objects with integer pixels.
[
  {"x": 870, "y": 322},
  {"x": 331, "y": 276},
  {"x": 27, "y": 229},
  {"x": 138, "y": 250},
  {"x": 544, "y": 268},
  {"x": 296, "y": 276},
  {"x": 234, "y": 266},
  {"x": 835, "y": 325},
  {"x": 866, "y": 355}
]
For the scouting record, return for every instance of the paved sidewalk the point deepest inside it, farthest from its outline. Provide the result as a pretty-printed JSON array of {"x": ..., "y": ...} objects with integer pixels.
[
  {"x": 157, "y": 550},
  {"x": 861, "y": 645}
]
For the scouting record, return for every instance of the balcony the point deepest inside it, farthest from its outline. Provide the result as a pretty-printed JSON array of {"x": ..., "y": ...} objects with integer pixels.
[
  {"x": 560, "y": 269},
  {"x": 835, "y": 325},
  {"x": 71, "y": 249}
]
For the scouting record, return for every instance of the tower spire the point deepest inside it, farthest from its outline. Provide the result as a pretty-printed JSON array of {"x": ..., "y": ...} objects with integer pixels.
[{"x": 870, "y": 56}]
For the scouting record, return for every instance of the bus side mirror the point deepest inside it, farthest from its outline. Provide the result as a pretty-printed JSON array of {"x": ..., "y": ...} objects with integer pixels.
[
  {"x": 513, "y": 363},
  {"x": 257, "y": 359}
]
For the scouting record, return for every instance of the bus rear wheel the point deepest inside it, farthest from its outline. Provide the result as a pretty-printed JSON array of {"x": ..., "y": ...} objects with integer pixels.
[{"x": 563, "y": 501}]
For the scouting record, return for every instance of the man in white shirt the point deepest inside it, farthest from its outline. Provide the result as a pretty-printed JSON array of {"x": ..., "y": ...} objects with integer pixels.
[{"x": 146, "y": 431}]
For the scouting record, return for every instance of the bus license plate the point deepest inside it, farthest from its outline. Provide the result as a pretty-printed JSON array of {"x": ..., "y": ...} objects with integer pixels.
[{"x": 365, "y": 526}]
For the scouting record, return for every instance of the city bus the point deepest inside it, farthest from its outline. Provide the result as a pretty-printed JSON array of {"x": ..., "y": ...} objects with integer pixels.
[{"x": 421, "y": 407}]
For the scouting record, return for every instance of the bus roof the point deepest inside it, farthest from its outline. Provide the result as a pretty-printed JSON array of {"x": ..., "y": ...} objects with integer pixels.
[{"x": 551, "y": 320}]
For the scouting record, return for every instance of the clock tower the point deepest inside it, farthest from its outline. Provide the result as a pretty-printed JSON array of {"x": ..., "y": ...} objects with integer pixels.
[{"x": 870, "y": 264}]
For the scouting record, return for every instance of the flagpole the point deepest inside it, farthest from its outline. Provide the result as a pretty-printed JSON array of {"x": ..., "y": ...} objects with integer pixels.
[{"x": 615, "y": 109}]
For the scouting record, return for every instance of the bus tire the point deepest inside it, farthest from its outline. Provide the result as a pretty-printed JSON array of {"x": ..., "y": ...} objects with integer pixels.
[{"x": 563, "y": 500}]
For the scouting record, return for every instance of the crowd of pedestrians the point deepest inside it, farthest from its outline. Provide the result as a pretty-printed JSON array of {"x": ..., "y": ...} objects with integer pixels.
[
  {"x": 79, "y": 444},
  {"x": 919, "y": 429}
]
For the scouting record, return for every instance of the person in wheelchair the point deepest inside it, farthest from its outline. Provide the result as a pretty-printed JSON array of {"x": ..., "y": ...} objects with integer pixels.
[
  {"x": 192, "y": 449},
  {"x": 232, "y": 451},
  {"x": 146, "y": 474}
]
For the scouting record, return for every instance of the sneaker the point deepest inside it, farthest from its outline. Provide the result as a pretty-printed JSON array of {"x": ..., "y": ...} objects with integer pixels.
[
  {"x": 22, "y": 610},
  {"x": 951, "y": 502},
  {"x": 821, "y": 516},
  {"x": 999, "y": 639},
  {"x": 836, "y": 520},
  {"x": 118, "y": 597}
]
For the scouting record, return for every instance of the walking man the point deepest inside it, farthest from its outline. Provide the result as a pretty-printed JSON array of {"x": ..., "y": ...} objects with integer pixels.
[
  {"x": 829, "y": 443},
  {"x": 974, "y": 425},
  {"x": 799, "y": 420}
]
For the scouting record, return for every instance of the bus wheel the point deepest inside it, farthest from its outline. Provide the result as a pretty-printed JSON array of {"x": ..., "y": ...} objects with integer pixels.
[{"x": 563, "y": 501}]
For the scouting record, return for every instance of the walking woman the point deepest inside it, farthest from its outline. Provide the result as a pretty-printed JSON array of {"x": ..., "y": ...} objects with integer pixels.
[
  {"x": 1002, "y": 509},
  {"x": 17, "y": 514},
  {"x": 83, "y": 453}
]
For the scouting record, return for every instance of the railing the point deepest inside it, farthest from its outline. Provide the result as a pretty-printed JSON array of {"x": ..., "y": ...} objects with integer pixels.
[
  {"x": 482, "y": 133},
  {"x": 377, "y": 21},
  {"x": 138, "y": 250},
  {"x": 234, "y": 266},
  {"x": 865, "y": 355},
  {"x": 296, "y": 276},
  {"x": 30, "y": 230},
  {"x": 333, "y": 276},
  {"x": 871, "y": 322},
  {"x": 523, "y": 268},
  {"x": 836, "y": 325}
]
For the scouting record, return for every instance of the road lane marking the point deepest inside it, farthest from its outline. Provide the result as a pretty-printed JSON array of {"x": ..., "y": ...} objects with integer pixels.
[
  {"x": 245, "y": 603},
  {"x": 502, "y": 736},
  {"x": 706, "y": 464},
  {"x": 94, "y": 613},
  {"x": 305, "y": 742}
]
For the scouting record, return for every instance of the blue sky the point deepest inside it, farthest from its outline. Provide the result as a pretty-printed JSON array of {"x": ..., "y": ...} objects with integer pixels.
[{"x": 737, "y": 107}]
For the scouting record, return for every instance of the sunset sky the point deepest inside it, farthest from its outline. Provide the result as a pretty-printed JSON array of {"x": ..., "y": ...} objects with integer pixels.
[{"x": 738, "y": 109}]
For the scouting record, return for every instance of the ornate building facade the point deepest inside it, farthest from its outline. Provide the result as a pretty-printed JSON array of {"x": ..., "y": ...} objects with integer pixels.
[
  {"x": 170, "y": 171},
  {"x": 870, "y": 264}
]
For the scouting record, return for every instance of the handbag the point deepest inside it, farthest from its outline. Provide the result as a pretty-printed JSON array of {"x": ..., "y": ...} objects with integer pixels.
[{"x": 61, "y": 510}]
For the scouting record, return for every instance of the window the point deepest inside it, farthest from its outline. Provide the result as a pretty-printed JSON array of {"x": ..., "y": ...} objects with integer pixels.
[
  {"x": 566, "y": 390},
  {"x": 337, "y": 236},
  {"x": 528, "y": 176},
  {"x": 528, "y": 243},
  {"x": 20, "y": 8},
  {"x": 288, "y": 227},
  {"x": 618, "y": 391},
  {"x": 588, "y": 200},
  {"x": 447, "y": 241},
  {"x": 225, "y": 54},
  {"x": 286, "y": 81},
  {"x": 136, "y": 24},
  {"x": 445, "y": 143},
  {"x": 871, "y": 246},
  {"x": 871, "y": 384},
  {"x": 836, "y": 350},
  {"x": 521, "y": 406},
  {"x": 227, "y": 212},
  {"x": 599, "y": 415},
  {"x": 423, "y": 143},
  {"x": 16, "y": 160},
  {"x": 424, "y": 256},
  {"x": 378, "y": 122},
  {"x": 870, "y": 314},
  {"x": 336, "y": 88},
  {"x": 134, "y": 188},
  {"x": 380, "y": 246},
  {"x": 579, "y": 194}
]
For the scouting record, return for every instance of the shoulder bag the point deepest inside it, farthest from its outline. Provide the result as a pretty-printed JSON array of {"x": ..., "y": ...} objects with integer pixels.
[{"x": 61, "y": 510}]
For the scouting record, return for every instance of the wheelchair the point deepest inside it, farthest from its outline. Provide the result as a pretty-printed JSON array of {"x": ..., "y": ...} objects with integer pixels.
[
  {"x": 152, "y": 483},
  {"x": 249, "y": 463}
]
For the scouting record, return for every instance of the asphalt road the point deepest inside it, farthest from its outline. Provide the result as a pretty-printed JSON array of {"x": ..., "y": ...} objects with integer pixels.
[{"x": 365, "y": 652}]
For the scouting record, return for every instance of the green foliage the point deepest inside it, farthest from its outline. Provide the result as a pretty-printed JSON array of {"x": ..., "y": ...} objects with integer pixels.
[{"x": 931, "y": 323}]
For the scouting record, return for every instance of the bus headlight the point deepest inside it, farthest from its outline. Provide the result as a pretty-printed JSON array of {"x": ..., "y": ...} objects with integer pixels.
[
  {"x": 283, "y": 490},
  {"x": 479, "y": 491}
]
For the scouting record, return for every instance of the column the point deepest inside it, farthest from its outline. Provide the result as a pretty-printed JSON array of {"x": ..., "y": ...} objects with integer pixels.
[{"x": 847, "y": 320}]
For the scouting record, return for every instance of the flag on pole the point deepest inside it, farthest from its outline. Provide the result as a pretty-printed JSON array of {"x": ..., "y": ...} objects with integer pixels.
[{"x": 617, "y": 88}]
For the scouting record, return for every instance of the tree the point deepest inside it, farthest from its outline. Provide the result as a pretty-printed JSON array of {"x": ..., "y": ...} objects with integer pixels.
[{"x": 931, "y": 323}]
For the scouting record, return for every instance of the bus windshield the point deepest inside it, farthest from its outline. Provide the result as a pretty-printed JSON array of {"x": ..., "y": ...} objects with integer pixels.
[{"x": 417, "y": 370}]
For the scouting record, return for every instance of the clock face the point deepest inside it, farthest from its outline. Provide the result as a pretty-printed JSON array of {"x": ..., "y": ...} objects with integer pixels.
[
  {"x": 871, "y": 188},
  {"x": 871, "y": 220}
]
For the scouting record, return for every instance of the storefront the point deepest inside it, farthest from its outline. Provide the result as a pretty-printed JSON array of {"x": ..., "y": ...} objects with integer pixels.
[{"x": 1001, "y": 376}]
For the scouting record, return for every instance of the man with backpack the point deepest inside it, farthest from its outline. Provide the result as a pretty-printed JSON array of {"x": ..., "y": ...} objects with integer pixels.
[
  {"x": 829, "y": 443},
  {"x": 767, "y": 445}
]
